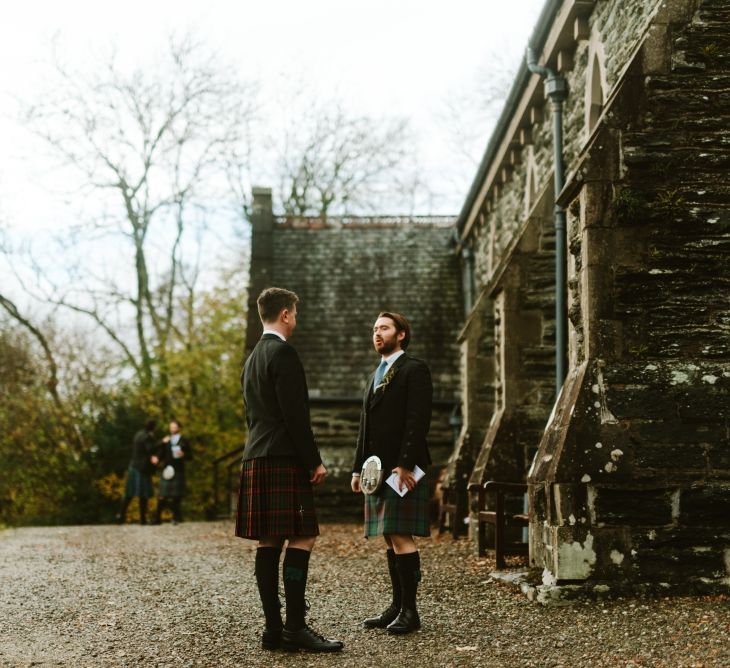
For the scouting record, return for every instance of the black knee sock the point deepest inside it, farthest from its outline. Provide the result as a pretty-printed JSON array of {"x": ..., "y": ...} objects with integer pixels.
[
  {"x": 267, "y": 579},
  {"x": 296, "y": 567},
  {"x": 142, "y": 510},
  {"x": 176, "y": 509},
  {"x": 409, "y": 573},
  {"x": 123, "y": 510},
  {"x": 394, "y": 578},
  {"x": 161, "y": 504}
]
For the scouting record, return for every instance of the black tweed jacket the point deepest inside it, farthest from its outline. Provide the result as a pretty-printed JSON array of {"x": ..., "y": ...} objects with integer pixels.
[
  {"x": 395, "y": 419},
  {"x": 277, "y": 404}
]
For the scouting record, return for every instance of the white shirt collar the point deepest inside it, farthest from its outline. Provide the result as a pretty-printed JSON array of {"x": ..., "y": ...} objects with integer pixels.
[
  {"x": 271, "y": 331},
  {"x": 392, "y": 358}
]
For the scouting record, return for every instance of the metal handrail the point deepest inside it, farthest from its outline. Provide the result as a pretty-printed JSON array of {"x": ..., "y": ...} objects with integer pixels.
[{"x": 216, "y": 479}]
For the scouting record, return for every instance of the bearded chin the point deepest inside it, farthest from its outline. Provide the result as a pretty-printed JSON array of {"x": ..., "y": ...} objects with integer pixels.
[{"x": 388, "y": 347}]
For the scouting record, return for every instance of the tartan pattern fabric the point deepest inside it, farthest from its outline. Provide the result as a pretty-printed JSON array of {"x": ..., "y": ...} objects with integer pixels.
[
  {"x": 174, "y": 487},
  {"x": 386, "y": 512},
  {"x": 275, "y": 498},
  {"x": 138, "y": 484}
]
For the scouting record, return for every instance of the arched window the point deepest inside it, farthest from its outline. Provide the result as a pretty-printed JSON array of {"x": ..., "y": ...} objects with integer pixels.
[
  {"x": 596, "y": 87},
  {"x": 531, "y": 183},
  {"x": 596, "y": 94}
]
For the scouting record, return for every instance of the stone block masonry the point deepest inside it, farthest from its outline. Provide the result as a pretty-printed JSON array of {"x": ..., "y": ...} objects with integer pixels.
[
  {"x": 643, "y": 421},
  {"x": 629, "y": 490}
]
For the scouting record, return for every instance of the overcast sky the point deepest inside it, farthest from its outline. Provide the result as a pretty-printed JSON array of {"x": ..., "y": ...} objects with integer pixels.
[{"x": 398, "y": 56}]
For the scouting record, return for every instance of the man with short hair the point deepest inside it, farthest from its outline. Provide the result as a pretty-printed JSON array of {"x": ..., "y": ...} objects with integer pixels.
[
  {"x": 394, "y": 423},
  {"x": 281, "y": 462},
  {"x": 139, "y": 472}
]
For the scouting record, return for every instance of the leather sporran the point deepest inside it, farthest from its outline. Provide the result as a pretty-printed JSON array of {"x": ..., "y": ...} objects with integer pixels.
[{"x": 372, "y": 475}]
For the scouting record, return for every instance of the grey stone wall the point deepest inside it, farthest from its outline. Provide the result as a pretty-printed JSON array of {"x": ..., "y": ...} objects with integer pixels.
[
  {"x": 630, "y": 486},
  {"x": 619, "y": 27}
]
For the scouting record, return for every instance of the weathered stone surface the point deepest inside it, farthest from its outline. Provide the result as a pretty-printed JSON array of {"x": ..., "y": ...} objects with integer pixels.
[
  {"x": 636, "y": 507},
  {"x": 706, "y": 505},
  {"x": 630, "y": 482}
]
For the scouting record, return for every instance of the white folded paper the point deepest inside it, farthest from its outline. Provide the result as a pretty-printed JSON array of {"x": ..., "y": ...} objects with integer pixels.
[{"x": 394, "y": 481}]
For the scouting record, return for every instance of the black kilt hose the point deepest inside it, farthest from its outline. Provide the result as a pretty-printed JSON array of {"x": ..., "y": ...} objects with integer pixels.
[{"x": 275, "y": 499}]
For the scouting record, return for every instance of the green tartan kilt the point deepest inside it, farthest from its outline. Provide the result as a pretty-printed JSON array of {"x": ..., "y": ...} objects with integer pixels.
[
  {"x": 174, "y": 487},
  {"x": 138, "y": 484},
  {"x": 386, "y": 512}
]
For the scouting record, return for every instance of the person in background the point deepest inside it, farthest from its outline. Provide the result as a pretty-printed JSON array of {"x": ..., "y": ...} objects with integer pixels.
[
  {"x": 139, "y": 472},
  {"x": 174, "y": 451}
]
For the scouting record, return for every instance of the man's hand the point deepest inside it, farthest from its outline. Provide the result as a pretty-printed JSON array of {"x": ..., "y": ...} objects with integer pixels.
[
  {"x": 318, "y": 476},
  {"x": 166, "y": 439},
  {"x": 154, "y": 459},
  {"x": 406, "y": 478},
  {"x": 355, "y": 484}
]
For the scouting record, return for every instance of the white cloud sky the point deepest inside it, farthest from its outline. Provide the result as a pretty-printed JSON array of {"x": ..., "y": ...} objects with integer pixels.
[{"x": 398, "y": 56}]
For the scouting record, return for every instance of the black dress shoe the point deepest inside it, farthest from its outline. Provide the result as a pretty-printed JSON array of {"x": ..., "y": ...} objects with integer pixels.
[
  {"x": 382, "y": 620},
  {"x": 307, "y": 640},
  {"x": 271, "y": 638},
  {"x": 406, "y": 622}
]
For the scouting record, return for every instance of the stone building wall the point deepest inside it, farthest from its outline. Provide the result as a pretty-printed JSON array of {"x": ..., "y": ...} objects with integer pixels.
[
  {"x": 618, "y": 27},
  {"x": 345, "y": 271},
  {"x": 642, "y": 464},
  {"x": 630, "y": 486}
]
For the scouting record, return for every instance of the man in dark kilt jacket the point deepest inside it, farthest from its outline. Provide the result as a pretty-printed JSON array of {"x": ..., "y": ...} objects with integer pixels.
[
  {"x": 394, "y": 423},
  {"x": 281, "y": 462},
  {"x": 174, "y": 451},
  {"x": 139, "y": 473}
]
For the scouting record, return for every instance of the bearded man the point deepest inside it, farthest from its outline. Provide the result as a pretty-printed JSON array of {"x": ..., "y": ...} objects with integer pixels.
[{"x": 394, "y": 423}]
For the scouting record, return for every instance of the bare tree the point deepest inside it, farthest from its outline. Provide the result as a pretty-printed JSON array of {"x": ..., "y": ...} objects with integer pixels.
[
  {"x": 14, "y": 312},
  {"x": 470, "y": 112},
  {"x": 335, "y": 162},
  {"x": 154, "y": 150}
]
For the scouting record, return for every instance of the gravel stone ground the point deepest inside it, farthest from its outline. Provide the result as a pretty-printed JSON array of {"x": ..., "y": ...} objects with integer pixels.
[{"x": 185, "y": 596}]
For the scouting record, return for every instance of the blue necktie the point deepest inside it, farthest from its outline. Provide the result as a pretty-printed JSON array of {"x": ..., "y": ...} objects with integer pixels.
[{"x": 379, "y": 373}]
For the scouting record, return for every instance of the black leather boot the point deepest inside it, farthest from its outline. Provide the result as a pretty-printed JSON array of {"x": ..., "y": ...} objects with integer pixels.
[
  {"x": 406, "y": 622},
  {"x": 308, "y": 640},
  {"x": 391, "y": 612},
  {"x": 383, "y": 619},
  {"x": 409, "y": 572}
]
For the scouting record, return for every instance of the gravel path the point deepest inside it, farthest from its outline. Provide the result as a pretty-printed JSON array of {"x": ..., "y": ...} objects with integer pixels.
[{"x": 185, "y": 596}]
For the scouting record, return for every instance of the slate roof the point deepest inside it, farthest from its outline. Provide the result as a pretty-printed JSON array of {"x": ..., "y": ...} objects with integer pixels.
[{"x": 345, "y": 272}]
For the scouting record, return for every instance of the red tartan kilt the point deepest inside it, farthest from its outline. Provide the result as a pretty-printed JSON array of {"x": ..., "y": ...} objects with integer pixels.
[{"x": 275, "y": 499}]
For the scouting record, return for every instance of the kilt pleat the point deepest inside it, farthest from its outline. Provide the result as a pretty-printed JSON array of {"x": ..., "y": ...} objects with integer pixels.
[
  {"x": 174, "y": 487},
  {"x": 138, "y": 484},
  {"x": 275, "y": 498},
  {"x": 386, "y": 512}
]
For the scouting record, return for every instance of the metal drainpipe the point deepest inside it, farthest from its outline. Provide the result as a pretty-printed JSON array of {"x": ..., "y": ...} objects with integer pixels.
[
  {"x": 467, "y": 277},
  {"x": 556, "y": 88}
]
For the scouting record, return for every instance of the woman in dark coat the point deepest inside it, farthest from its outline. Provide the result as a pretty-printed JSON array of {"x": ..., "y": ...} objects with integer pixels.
[
  {"x": 139, "y": 472},
  {"x": 174, "y": 451}
]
